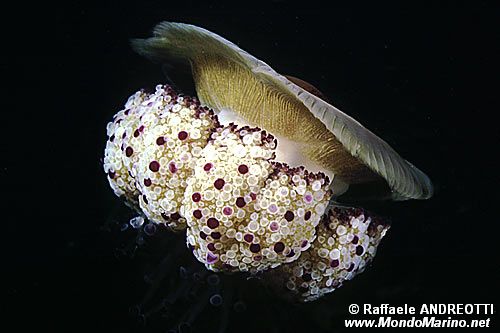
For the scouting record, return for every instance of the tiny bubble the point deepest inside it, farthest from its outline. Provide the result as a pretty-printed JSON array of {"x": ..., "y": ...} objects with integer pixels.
[
  {"x": 239, "y": 306},
  {"x": 142, "y": 319},
  {"x": 196, "y": 277},
  {"x": 184, "y": 327},
  {"x": 216, "y": 300},
  {"x": 183, "y": 272},
  {"x": 137, "y": 222},
  {"x": 140, "y": 241},
  {"x": 213, "y": 279},
  {"x": 135, "y": 310},
  {"x": 147, "y": 279},
  {"x": 150, "y": 229}
]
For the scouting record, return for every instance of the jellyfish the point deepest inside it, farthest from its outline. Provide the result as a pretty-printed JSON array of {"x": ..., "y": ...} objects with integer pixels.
[{"x": 254, "y": 167}]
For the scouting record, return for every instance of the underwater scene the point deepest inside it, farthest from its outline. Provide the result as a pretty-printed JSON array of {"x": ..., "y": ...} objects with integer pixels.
[{"x": 211, "y": 167}]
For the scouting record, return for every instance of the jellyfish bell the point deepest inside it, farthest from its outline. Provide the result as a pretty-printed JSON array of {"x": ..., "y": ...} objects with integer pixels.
[{"x": 310, "y": 131}]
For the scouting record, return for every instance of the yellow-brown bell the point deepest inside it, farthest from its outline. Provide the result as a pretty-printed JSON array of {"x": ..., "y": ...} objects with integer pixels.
[{"x": 228, "y": 78}]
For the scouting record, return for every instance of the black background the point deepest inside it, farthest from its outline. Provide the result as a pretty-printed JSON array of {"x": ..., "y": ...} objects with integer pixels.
[{"x": 421, "y": 76}]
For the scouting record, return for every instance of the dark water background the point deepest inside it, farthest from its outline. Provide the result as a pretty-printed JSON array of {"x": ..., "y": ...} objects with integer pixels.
[{"x": 421, "y": 76}]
